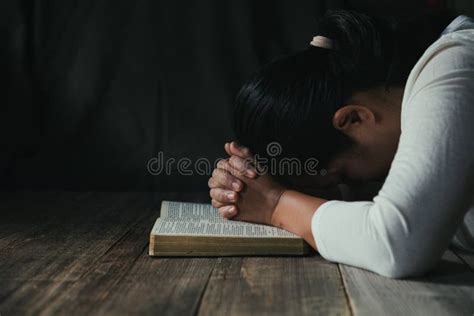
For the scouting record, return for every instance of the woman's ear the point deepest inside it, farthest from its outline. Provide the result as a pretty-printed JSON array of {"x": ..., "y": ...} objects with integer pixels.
[{"x": 350, "y": 117}]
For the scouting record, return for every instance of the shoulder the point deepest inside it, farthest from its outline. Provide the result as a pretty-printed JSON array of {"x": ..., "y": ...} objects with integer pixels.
[
  {"x": 451, "y": 52},
  {"x": 447, "y": 63}
]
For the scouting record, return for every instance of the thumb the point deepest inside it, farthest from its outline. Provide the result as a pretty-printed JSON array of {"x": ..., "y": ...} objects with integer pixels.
[{"x": 241, "y": 151}]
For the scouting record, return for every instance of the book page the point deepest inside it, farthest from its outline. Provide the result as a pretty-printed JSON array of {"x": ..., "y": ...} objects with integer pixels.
[
  {"x": 187, "y": 211},
  {"x": 194, "y": 219}
]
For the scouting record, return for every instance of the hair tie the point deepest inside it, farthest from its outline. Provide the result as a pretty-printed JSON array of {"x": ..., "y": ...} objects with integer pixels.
[{"x": 322, "y": 41}]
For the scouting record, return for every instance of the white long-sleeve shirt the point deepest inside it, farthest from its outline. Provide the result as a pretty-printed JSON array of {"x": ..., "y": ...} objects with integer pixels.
[{"x": 427, "y": 199}]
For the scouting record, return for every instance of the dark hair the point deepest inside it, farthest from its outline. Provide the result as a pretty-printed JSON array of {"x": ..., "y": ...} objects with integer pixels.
[{"x": 292, "y": 100}]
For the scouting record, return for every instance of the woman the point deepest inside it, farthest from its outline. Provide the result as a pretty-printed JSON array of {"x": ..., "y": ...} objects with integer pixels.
[{"x": 369, "y": 99}]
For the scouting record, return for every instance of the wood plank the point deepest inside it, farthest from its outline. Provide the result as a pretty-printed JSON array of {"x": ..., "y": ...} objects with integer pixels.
[
  {"x": 86, "y": 294},
  {"x": 447, "y": 290},
  {"x": 52, "y": 249},
  {"x": 25, "y": 214},
  {"x": 160, "y": 286},
  {"x": 274, "y": 285},
  {"x": 81, "y": 265},
  {"x": 41, "y": 265},
  {"x": 144, "y": 285},
  {"x": 127, "y": 281}
]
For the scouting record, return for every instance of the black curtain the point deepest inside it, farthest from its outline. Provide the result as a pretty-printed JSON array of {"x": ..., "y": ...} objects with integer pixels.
[{"x": 92, "y": 89}]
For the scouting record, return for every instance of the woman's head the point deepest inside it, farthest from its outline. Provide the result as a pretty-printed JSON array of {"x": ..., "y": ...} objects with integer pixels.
[{"x": 340, "y": 106}]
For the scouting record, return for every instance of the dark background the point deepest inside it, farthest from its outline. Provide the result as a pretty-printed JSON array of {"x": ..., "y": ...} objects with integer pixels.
[{"x": 92, "y": 89}]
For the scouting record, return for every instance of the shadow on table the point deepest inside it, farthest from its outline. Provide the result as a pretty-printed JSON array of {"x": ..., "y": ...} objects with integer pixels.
[{"x": 450, "y": 271}]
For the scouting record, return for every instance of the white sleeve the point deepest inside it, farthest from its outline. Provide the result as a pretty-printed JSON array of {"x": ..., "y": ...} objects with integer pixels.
[{"x": 409, "y": 224}]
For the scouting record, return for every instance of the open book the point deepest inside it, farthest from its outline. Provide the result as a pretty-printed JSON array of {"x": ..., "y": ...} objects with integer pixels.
[{"x": 192, "y": 229}]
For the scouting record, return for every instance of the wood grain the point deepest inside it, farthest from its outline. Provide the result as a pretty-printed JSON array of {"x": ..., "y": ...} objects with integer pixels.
[
  {"x": 160, "y": 286},
  {"x": 50, "y": 256},
  {"x": 85, "y": 253},
  {"x": 274, "y": 286},
  {"x": 448, "y": 290},
  {"x": 68, "y": 254}
]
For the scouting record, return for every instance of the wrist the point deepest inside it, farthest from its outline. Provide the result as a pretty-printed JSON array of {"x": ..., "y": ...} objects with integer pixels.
[
  {"x": 294, "y": 212},
  {"x": 275, "y": 219}
]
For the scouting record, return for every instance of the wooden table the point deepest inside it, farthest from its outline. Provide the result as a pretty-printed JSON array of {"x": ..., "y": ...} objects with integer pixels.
[{"x": 85, "y": 253}]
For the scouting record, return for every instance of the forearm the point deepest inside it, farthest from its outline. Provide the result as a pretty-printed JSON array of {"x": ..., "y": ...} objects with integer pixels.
[{"x": 294, "y": 212}]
